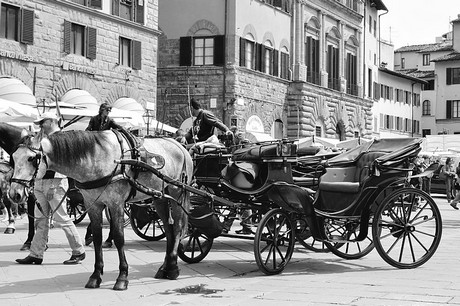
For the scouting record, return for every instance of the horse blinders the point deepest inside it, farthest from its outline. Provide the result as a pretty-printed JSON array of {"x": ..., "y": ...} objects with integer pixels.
[{"x": 35, "y": 161}]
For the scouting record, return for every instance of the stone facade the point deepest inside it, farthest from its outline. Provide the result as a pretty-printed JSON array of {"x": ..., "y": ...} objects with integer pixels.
[{"x": 50, "y": 72}]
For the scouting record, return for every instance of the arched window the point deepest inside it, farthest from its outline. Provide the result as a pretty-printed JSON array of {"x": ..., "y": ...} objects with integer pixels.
[
  {"x": 278, "y": 129},
  {"x": 268, "y": 57},
  {"x": 426, "y": 108}
]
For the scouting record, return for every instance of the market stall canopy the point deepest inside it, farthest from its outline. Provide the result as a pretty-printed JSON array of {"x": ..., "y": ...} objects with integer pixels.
[
  {"x": 14, "y": 90},
  {"x": 16, "y": 112},
  {"x": 81, "y": 98}
]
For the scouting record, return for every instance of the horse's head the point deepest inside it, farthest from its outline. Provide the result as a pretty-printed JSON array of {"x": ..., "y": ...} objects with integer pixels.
[{"x": 26, "y": 159}]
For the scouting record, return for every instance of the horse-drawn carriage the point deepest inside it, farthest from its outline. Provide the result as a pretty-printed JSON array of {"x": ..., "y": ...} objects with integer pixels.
[
  {"x": 349, "y": 203},
  {"x": 352, "y": 202}
]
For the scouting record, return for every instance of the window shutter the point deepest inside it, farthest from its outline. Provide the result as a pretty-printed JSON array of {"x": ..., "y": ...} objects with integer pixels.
[
  {"x": 275, "y": 63},
  {"x": 263, "y": 50},
  {"x": 27, "y": 26},
  {"x": 67, "y": 32},
  {"x": 137, "y": 54},
  {"x": 140, "y": 11},
  {"x": 309, "y": 53},
  {"x": 97, "y": 4},
  {"x": 116, "y": 7},
  {"x": 91, "y": 43},
  {"x": 449, "y": 109},
  {"x": 391, "y": 93},
  {"x": 242, "y": 52},
  {"x": 185, "y": 51},
  {"x": 219, "y": 50},
  {"x": 258, "y": 57},
  {"x": 449, "y": 76}
]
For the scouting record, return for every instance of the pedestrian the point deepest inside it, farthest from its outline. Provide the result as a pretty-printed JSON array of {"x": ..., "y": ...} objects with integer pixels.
[
  {"x": 179, "y": 136},
  {"x": 449, "y": 172},
  {"x": 426, "y": 180},
  {"x": 101, "y": 122},
  {"x": 50, "y": 190},
  {"x": 204, "y": 124}
]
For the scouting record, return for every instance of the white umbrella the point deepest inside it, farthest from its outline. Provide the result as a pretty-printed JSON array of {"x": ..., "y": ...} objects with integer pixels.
[{"x": 15, "y": 112}]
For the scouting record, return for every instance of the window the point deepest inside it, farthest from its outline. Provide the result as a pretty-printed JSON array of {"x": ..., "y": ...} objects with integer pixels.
[
  {"x": 351, "y": 72},
  {"x": 79, "y": 40},
  {"x": 284, "y": 65},
  {"x": 281, "y": 4},
  {"x": 369, "y": 84},
  {"x": 312, "y": 60},
  {"x": 403, "y": 63},
  {"x": 318, "y": 131},
  {"x": 426, "y": 108},
  {"x": 17, "y": 24},
  {"x": 333, "y": 67},
  {"x": 426, "y": 59},
  {"x": 426, "y": 132},
  {"x": 129, "y": 9},
  {"x": 202, "y": 50},
  {"x": 375, "y": 28},
  {"x": 97, "y": 4},
  {"x": 130, "y": 53},
  {"x": 453, "y": 76},
  {"x": 268, "y": 61},
  {"x": 453, "y": 109},
  {"x": 416, "y": 126},
  {"x": 353, "y": 4},
  {"x": 370, "y": 24},
  {"x": 429, "y": 86}
]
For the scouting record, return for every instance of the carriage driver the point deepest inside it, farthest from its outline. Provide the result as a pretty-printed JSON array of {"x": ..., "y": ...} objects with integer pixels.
[
  {"x": 50, "y": 189},
  {"x": 204, "y": 124}
]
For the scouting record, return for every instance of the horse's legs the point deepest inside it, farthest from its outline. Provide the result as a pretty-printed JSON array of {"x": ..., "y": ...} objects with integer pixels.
[
  {"x": 173, "y": 232},
  {"x": 117, "y": 231},
  {"x": 10, "y": 229},
  {"x": 31, "y": 218},
  {"x": 95, "y": 215}
]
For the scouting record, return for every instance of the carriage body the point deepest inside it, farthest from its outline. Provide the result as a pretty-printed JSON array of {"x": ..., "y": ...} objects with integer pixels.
[{"x": 364, "y": 199}]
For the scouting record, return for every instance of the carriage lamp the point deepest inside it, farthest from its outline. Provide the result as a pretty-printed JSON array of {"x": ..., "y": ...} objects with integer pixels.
[{"x": 147, "y": 117}]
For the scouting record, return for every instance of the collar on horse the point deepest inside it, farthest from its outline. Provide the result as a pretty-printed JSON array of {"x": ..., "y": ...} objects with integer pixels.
[{"x": 104, "y": 181}]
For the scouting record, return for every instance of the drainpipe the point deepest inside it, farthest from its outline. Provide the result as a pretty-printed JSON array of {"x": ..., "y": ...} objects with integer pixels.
[
  {"x": 224, "y": 68},
  {"x": 380, "y": 52}
]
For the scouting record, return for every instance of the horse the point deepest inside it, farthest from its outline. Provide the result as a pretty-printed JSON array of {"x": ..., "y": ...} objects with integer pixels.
[
  {"x": 88, "y": 157},
  {"x": 6, "y": 171},
  {"x": 10, "y": 136}
]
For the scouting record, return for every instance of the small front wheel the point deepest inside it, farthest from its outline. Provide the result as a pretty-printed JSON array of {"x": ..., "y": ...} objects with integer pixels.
[
  {"x": 407, "y": 228},
  {"x": 194, "y": 246},
  {"x": 274, "y": 242}
]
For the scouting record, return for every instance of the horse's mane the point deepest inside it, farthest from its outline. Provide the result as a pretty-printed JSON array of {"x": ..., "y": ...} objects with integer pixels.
[{"x": 72, "y": 146}]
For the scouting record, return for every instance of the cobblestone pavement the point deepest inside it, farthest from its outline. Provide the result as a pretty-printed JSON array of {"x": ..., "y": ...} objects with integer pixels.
[{"x": 229, "y": 275}]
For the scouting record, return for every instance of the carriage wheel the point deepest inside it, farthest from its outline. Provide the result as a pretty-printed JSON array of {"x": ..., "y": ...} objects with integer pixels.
[
  {"x": 150, "y": 230},
  {"x": 126, "y": 215},
  {"x": 345, "y": 231},
  {"x": 194, "y": 246},
  {"x": 274, "y": 242},
  {"x": 76, "y": 213},
  {"x": 407, "y": 228},
  {"x": 304, "y": 237}
]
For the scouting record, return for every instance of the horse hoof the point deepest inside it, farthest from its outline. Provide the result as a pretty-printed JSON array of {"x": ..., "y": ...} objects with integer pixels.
[
  {"x": 121, "y": 285},
  {"x": 171, "y": 274},
  {"x": 93, "y": 283},
  {"x": 9, "y": 231}
]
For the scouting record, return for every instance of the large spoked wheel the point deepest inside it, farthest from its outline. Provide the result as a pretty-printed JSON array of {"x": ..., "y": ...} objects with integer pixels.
[
  {"x": 274, "y": 242},
  {"x": 305, "y": 238},
  {"x": 76, "y": 212},
  {"x": 146, "y": 223},
  {"x": 194, "y": 246},
  {"x": 343, "y": 234},
  {"x": 407, "y": 228}
]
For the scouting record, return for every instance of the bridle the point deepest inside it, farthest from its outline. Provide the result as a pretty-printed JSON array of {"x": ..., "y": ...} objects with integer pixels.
[{"x": 28, "y": 184}]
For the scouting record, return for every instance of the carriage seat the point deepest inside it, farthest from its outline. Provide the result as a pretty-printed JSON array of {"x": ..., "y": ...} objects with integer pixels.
[
  {"x": 254, "y": 153},
  {"x": 348, "y": 179}
]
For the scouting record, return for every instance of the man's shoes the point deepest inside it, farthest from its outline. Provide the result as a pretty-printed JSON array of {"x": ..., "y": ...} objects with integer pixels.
[
  {"x": 454, "y": 205},
  {"x": 75, "y": 259},
  {"x": 88, "y": 240},
  {"x": 244, "y": 231},
  {"x": 26, "y": 246},
  {"x": 107, "y": 244},
  {"x": 30, "y": 260}
]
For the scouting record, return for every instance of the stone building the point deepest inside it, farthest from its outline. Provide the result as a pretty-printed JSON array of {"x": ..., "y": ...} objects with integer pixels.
[
  {"x": 288, "y": 68},
  {"x": 83, "y": 52}
]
